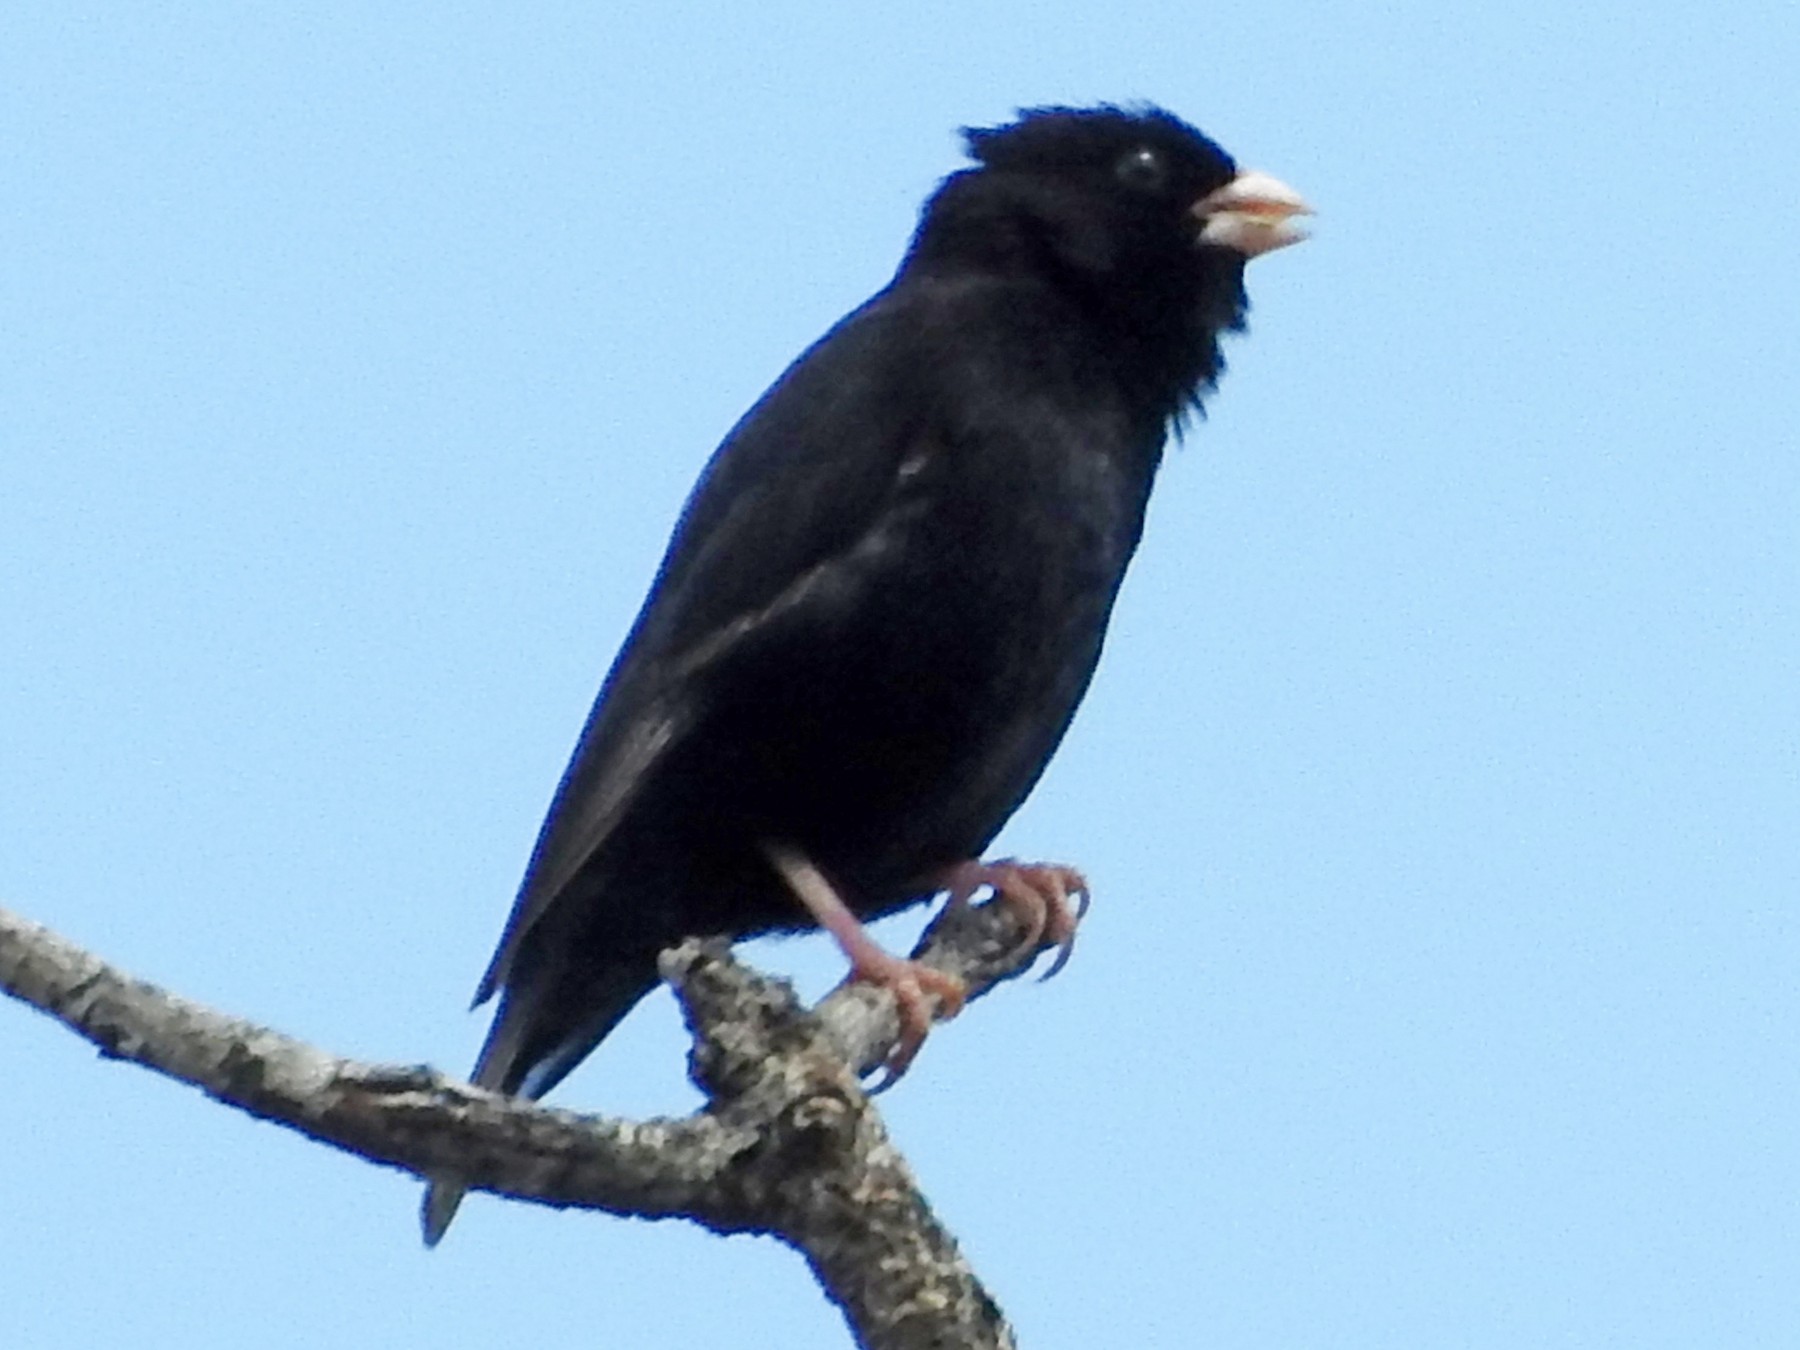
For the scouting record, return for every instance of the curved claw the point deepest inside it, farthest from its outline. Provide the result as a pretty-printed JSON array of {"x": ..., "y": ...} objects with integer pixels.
[
  {"x": 1040, "y": 894},
  {"x": 1066, "y": 884},
  {"x": 1064, "y": 950},
  {"x": 913, "y": 986}
]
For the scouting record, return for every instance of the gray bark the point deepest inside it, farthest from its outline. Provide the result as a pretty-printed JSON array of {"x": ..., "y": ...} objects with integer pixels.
[{"x": 788, "y": 1143}]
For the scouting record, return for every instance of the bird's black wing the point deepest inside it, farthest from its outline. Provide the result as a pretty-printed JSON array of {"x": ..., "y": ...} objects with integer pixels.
[{"x": 785, "y": 515}]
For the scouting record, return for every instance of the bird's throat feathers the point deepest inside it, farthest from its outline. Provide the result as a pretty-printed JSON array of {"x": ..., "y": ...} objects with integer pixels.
[{"x": 1154, "y": 316}]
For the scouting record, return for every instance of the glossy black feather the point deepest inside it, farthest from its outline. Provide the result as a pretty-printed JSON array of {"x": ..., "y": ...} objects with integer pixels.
[{"x": 888, "y": 591}]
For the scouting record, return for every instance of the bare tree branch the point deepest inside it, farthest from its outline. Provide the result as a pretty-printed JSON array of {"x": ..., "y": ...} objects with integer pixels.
[{"x": 788, "y": 1144}]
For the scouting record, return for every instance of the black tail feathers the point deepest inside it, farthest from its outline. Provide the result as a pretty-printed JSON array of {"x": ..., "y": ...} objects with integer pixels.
[{"x": 544, "y": 1027}]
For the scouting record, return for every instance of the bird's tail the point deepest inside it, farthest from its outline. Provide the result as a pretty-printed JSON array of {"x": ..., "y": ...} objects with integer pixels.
[
  {"x": 439, "y": 1207},
  {"x": 543, "y": 1029}
]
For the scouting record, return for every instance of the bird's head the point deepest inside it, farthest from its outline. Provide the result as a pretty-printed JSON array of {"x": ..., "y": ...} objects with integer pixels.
[{"x": 1135, "y": 215}]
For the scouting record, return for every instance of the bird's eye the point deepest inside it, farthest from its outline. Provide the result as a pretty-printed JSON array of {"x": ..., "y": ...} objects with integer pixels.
[{"x": 1142, "y": 169}]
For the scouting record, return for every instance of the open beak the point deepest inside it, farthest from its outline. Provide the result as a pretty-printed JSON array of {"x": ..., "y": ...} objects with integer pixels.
[{"x": 1253, "y": 213}]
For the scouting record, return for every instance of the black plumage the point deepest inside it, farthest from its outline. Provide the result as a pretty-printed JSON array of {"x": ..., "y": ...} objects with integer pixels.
[{"x": 888, "y": 591}]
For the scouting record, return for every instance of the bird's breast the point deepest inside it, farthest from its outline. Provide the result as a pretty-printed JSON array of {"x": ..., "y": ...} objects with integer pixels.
[{"x": 918, "y": 725}]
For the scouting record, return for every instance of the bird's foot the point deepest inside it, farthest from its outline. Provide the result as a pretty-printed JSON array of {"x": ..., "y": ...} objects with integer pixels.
[
  {"x": 1050, "y": 899},
  {"x": 913, "y": 984}
]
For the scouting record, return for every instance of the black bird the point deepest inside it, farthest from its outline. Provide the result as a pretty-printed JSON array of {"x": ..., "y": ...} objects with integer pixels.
[{"x": 888, "y": 591}]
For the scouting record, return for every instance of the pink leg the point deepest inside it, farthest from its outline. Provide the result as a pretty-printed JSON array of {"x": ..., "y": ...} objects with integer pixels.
[
  {"x": 912, "y": 984},
  {"x": 1039, "y": 893}
]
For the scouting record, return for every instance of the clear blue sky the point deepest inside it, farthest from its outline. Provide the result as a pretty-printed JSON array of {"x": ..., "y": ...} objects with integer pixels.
[{"x": 1441, "y": 785}]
